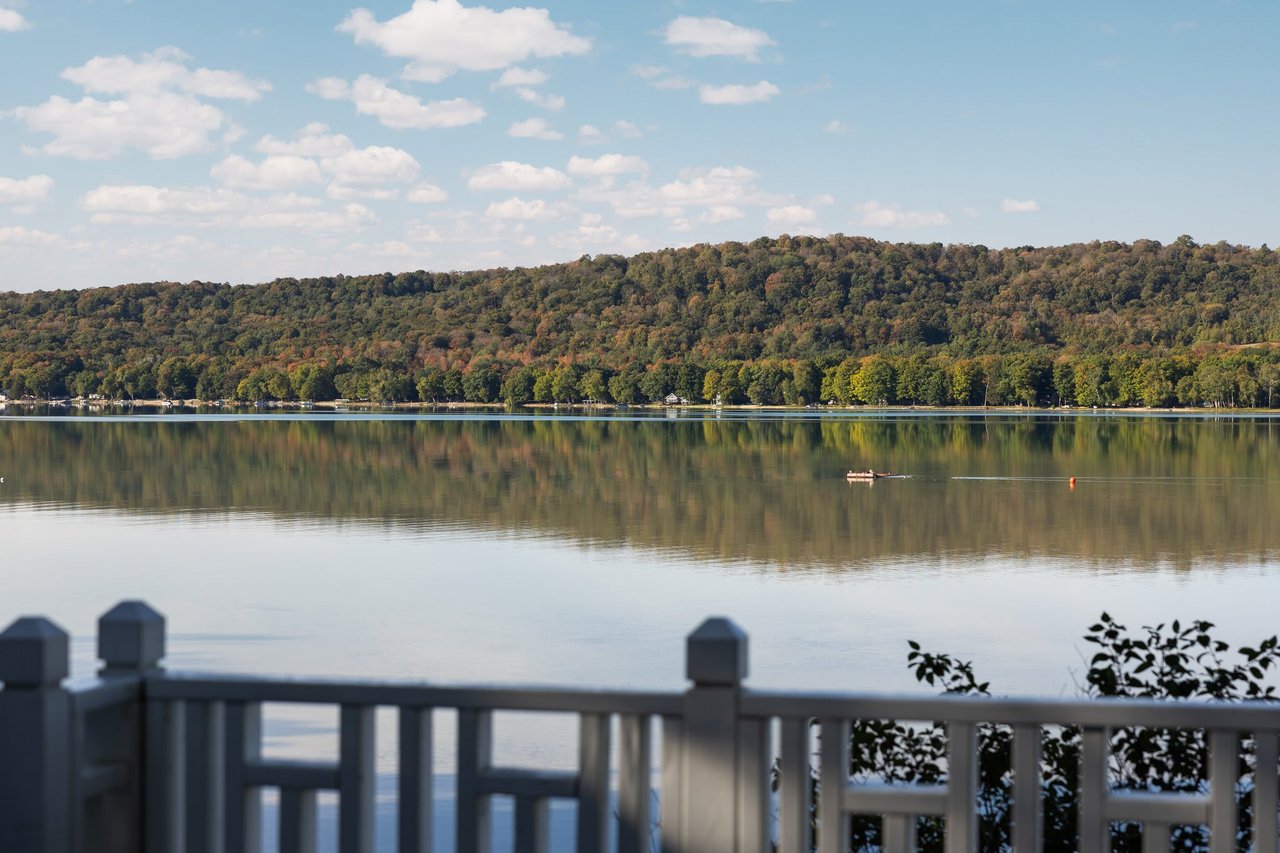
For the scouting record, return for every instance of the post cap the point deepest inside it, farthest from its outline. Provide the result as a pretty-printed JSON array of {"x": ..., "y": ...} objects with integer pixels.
[
  {"x": 716, "y": 653},
  {"x": 131, "y": 637},
  {"x": 34, "y": 652}
]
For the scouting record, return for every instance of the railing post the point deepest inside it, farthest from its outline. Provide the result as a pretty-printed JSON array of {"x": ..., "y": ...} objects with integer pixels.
[
  {"x": 711, "y": 812},
  {"x": 131, "y": 643},
  {"x": 35, "y": 727}
]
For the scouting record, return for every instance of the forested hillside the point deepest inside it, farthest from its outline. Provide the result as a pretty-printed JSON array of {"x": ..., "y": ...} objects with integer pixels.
[{"x": 792, "y": 319}]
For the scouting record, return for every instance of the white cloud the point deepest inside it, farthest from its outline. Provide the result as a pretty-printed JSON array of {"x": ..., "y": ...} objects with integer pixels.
[
  {"x": 12, "y": 22},
  {"x": 395, "y": 108},
  {"x": 276, "y": 172},
  {"x": 440, "y": 37},
  {"x": 721, "y": 186},
  {"x": 509, "y": 175},
  {"x": 660, "y": 77},
  {"x": 427, "y": 194},
  {"x": 737, "y": 94},
  {"x": 161, "y": 111},
  {"x": 26, "y": 190},
  {"x": 722, "y": 213},
  {"x": 520, "y": 77},
  {"x": 589, "y": 134},
  {"x": 877, "y": 215},
  {"x": 1013, "y": 205},
  {"x": 792, "y": 214},
  {"x": 163, "y": 70},
  {"x": 715, "y": 37},
  {"x": 555, "y": 103},
  {"x": 534, "y": 128},
  {"x": 835, "y": 126},
  {"x": 626, "y": 129},
  {"x": 517, "y": 208},
  {"x": 314, "y": 140},
  {"x": 16, "y": 235},
  {"x": 606, "y": 165},
  {"x": 208, "y": 207},
  {"x": 372, "y": 166}
]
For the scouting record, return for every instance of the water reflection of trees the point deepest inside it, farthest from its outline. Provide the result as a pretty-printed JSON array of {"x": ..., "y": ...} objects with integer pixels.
[{"x": 1150, "y": 490}]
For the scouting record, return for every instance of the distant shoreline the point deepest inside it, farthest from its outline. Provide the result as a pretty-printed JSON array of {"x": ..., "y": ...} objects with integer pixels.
[{"x": 204, "y": 406}]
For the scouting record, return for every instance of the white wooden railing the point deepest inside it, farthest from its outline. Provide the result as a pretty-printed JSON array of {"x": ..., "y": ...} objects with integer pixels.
[{"x": 142, "y": 759}]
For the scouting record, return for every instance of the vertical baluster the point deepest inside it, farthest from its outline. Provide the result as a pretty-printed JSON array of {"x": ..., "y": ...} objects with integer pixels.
[
  {"x": 1028, "y": 820},
  {"x": 533, "y": 825},
  {"x": 593, "y": 783},
  {"x": 1155, "y": 837},
  {"x": 165, "y": 775},
  {"x": 670, "y": 826},
  {"x": 416, "y": 767},
  {"x": 206, "y": 726},
  {"x": 833, "y": 820},
  {"x": 1095, "y": 829},
  {"x": 754, "y": 806},
  {"x": 356, "y": 780},
  {"x": 475, "y": 754},
  {"x": 899, "y": 833},
  {"x": 1266, "y": 792},
  {"x": 633, "y": 784},
  {"x": 794, "y": 787},
  {"x": 297, "y": 820},
  {"x": 1223, "y": 753},
  {"x": 962, "y": 787},
  {"x": 243, "y": 804}
]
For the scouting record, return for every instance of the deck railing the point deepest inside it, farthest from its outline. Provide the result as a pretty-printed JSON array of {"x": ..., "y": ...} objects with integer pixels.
[{"x": 142, "y": 759}]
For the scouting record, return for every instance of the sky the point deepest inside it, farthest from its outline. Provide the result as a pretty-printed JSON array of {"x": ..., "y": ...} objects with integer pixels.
[{"x": 169, "y": 140}]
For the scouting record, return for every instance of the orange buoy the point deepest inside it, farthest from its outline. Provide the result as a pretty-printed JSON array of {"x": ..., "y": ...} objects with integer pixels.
[{"x": 1072, "y": 482}]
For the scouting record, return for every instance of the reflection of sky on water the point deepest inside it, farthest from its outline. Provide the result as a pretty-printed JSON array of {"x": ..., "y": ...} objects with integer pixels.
[{"x": 251, "y": 593}]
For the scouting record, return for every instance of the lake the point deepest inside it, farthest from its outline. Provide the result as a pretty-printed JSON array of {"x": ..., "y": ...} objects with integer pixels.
[{"x": 581, "y": 550}]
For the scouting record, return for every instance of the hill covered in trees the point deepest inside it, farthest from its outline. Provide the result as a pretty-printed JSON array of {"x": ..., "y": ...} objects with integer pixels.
[{"x": 791, "y": 319}]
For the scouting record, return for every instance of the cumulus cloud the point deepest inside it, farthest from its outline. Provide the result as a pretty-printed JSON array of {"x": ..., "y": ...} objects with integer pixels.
[
  {"x": 314, "y": 140},
  {"x": 1013, "y": 205},
  {"x": 555, "y": 103},
  {"x": 704, "y": 37},
  {"x": 395, "y": 108},
  {"x": 626, "y": 129},
  {"x": 836, "y": 126},
  {"x": 206, "y": 207},
  {"x": 722, "y": 213},
  {"x": 517, "y": 208},
  {"x": 427, "y": 194},
  {"x": 16, "y": 235},
  {"x": 720, "y": 186},
  {"x": 606, "y": 165},
  {"x": 372, "y": 166},
  {"x": 163, "y": 70},
  {"x": 534, "y": 128},
  {"x": 877, "y": 215},
  {"x": 12, "y": 22},
  {"x": 660, "y": 77},
  {"x": 735, "y": 93},
  {"x": 589, "y": 134},
  {"x": 520, "y": 77},
  {"x": 276, "y": 172},
  {"x": 792, "y": 214},
  {"x": 440, "y": 37},
  {"x": 509, "y": 175},
  {"x": 160, "y": 110},
  {"x": 25, "y": 191}
]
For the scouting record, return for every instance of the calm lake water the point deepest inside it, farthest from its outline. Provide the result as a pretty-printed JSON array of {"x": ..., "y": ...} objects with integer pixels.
[{"x": 581, "y": 550}]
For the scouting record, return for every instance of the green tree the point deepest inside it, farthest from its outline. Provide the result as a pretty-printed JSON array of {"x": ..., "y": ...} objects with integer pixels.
[{"x": 517, "y": 387}]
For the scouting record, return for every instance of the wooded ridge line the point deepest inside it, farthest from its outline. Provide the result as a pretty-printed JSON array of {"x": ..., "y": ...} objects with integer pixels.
[{"x": 785, "y": 320}]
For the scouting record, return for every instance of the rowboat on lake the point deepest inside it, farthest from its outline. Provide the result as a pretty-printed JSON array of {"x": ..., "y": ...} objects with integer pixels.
[{"x": 867, "y": 475}]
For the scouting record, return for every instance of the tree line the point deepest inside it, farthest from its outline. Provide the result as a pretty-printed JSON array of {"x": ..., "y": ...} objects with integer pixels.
[
  {"x": 1231, "y": 378},
  {"x": 773, "y": 321}
]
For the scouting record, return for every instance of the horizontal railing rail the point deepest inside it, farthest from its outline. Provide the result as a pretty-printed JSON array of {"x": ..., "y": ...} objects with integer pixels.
[{"x": 143, "y": 759}]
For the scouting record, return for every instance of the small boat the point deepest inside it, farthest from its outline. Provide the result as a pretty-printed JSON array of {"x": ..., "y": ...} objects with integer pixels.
[{"x": 867, "y": 475}]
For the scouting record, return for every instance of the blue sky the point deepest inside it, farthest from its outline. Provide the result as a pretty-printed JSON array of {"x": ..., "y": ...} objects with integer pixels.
[{"x": 240, "y": 141}]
